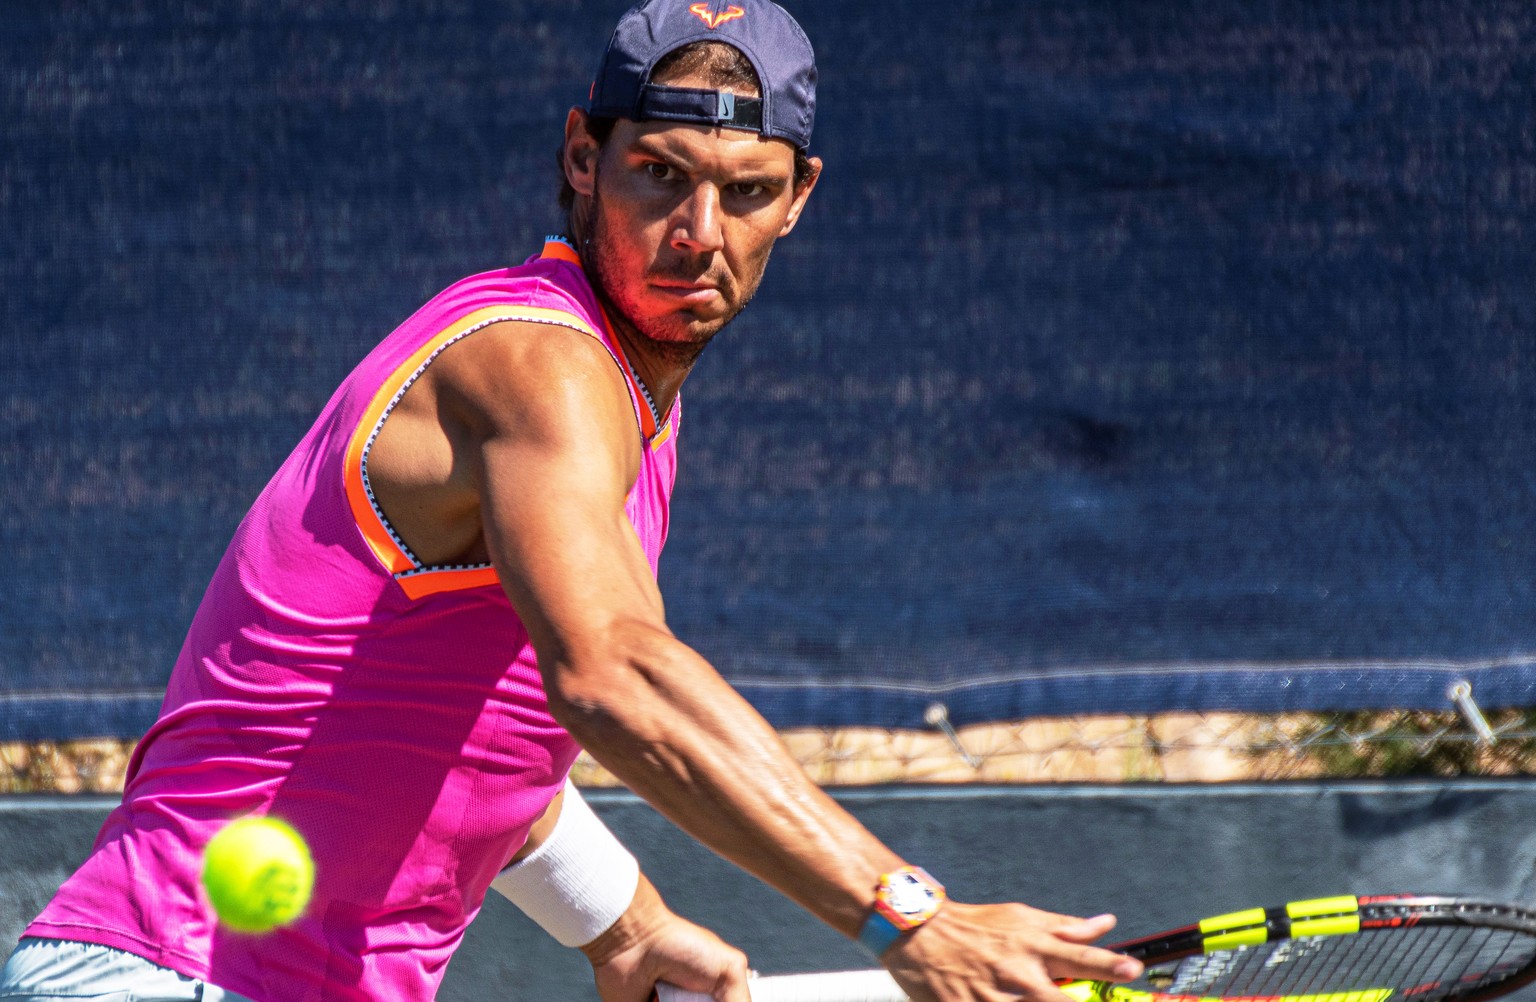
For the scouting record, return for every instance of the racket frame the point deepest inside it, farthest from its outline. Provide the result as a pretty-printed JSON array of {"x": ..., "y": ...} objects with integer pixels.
[{"x": 1337, "y": 916}]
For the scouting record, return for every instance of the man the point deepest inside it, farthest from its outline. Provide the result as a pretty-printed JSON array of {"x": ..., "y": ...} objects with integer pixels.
[{"x": 450, "y": 585}]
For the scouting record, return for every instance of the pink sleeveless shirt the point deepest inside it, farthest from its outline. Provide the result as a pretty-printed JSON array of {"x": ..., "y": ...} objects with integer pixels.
[{"x": 392, "y": 712}]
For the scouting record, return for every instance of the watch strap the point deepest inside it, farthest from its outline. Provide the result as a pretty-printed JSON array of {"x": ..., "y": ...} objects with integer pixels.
[
  {"x": 878, "y": 934},
  {"x": 896, "y": 912}
]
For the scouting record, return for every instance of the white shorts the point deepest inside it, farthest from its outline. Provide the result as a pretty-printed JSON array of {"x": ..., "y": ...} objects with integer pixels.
[{"x": 46, "y": 970}]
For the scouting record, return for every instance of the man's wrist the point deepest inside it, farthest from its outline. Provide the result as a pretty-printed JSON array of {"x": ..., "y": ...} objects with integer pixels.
[
  {"x": 578, "y": 882},
  {"x": 905, "y": 899},
  {"x": 639, "y": 922}
]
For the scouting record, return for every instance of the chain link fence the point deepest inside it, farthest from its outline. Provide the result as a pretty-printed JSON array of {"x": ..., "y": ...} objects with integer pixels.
[{"x": 1174, "y": 747}]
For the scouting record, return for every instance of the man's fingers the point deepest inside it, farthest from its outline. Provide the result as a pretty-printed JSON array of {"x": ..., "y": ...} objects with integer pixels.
[
  {"x": 1091, "y": 963},
  {"x": 735, "y": 991},
  {"x": 1005, "y": 951},
  {"x": 1083, "y": 930},
  {"x": 728, "y": 987},
  {"x": 1081, "y": 961},
  {"x": 1033, "y": 986},
  {"x": 732, "y": 983}
]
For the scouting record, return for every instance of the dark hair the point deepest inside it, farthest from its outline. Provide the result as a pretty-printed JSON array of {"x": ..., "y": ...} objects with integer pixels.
[{"x": 720, "y": 64}]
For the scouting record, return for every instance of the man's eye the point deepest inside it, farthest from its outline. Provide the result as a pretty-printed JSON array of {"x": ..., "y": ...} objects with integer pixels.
[
  {"x": 660, "y": 172},
  {"x": 748, "y": 190}
]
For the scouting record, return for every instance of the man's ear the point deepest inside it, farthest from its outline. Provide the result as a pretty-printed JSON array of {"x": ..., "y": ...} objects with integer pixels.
[
  {"x": 802, "y": 192},
  {"x": 579, "y": 156}
]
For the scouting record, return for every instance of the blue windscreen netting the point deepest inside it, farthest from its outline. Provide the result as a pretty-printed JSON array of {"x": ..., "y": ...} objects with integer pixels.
[{"x": 1130, "y": 357}]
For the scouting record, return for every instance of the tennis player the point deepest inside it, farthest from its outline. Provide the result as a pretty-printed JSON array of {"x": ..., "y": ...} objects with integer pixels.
[{"x": 449, "y": 588}]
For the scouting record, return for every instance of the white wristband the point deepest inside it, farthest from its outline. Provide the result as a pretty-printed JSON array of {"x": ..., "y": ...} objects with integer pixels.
[{"x": 579, "y": 881}]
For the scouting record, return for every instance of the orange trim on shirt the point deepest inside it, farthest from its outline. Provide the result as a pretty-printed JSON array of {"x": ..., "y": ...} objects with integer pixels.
[
  {"x": 561, "y": 251},
  {"x": 419, "y": 586},
  {"x": 395, "y": 559},
  {"x": 642, "y": 410}
]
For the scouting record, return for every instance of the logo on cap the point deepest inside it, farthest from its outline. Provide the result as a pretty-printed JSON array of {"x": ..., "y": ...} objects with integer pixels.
[{"x": 713, "y": 20}]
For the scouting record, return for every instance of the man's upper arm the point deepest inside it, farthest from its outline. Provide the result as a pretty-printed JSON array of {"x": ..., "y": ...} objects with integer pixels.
[{"x": 554, "y": 449}]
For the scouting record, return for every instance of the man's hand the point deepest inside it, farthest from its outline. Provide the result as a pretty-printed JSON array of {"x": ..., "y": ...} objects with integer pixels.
[
  {"x": 649, "y": 944},
  {"x": 1002, "y": 953}
]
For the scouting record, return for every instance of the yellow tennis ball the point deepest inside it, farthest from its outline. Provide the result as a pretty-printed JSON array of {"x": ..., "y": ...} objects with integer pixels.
[{"x": 258, "y": 874}]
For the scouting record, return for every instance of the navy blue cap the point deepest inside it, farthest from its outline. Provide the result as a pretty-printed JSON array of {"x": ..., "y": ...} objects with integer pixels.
[{"x": 763, "y": 32}]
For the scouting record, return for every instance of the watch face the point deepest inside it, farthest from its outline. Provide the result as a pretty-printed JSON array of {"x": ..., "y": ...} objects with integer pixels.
[{"x": 908, "y": 895}]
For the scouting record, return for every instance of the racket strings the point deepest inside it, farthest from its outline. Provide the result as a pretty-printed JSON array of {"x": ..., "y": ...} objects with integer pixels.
[
  {"x": 1386, "y": 959},
  {"x": 1301, "y": 966},
  {"x": 1289, "y": 968},
  {"x": 1448, "y": 964},
  {"x": 1399, "y": 959},
  {"x": 1503, "y": 955},
  {"x": 1278, "y": 969},
  {"x": 1428, "y": 964},
  {"x": 1414, "y": 963},
  {"x": 1475, "y": 959}
]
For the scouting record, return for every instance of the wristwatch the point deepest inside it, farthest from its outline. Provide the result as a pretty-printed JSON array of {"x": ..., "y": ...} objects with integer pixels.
[{"x": 904, "y": 900}]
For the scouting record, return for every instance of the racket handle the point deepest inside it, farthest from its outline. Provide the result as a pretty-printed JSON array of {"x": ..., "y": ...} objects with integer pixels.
[{"x": 842, "y": 986}]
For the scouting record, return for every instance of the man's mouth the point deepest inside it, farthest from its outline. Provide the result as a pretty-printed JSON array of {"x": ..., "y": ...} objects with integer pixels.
[{"x": 693, "y": 293}]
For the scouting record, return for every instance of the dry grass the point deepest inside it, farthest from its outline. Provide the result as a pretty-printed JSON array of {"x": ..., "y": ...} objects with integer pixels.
[
  {"x": 90, "y": 766},
  {"x": 1170, "y": 747},
  {"x": 1190, "y": 747},
  {"x": 1173, "y": 747}
]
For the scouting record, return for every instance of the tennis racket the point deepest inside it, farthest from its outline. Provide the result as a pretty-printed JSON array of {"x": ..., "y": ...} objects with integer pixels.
[{"x": 1344, "y": 949}]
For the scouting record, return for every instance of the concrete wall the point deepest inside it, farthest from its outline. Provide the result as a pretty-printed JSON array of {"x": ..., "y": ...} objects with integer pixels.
[{"x": 1156, "y": 855}]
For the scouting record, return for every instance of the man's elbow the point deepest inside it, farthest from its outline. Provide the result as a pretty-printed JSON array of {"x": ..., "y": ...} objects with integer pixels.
[
  {"x": 615, "y": 684},
  {"x": 602, "y": 693},
  {"x": 584, "y": 701}
]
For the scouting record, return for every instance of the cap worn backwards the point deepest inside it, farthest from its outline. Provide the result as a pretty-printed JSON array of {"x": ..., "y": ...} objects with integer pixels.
[{"x": 762, "y": 31}]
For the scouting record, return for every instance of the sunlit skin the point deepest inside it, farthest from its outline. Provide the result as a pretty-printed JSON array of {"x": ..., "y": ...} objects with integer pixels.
[{"x": 675, "y": 223}]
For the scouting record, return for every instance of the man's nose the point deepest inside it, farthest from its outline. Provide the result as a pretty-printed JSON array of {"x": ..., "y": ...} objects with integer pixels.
[{"x": 696, "y": 224}]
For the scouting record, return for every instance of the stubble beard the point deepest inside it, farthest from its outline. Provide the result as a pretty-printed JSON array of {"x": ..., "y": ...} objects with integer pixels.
[{"x": 678, "y": 341}]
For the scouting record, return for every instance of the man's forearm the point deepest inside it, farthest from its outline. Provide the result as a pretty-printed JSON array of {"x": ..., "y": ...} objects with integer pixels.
[{"x": 664, "y": 721}]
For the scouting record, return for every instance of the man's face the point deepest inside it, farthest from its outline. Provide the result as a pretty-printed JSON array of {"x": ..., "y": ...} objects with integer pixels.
[{"x": 683, "y": 219}]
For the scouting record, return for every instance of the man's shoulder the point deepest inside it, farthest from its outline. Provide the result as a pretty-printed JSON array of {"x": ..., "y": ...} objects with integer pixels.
[
  {"x": 522, "y": 359},
  {"x": 544, "y": 288},
  {"x": 497, "y": 341}
]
